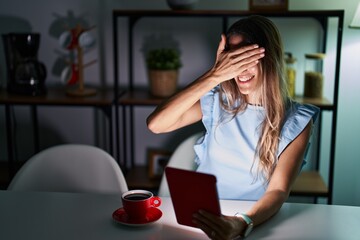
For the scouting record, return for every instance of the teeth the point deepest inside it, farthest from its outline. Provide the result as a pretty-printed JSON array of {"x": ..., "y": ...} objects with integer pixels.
[{"x": 244, "y": 79}]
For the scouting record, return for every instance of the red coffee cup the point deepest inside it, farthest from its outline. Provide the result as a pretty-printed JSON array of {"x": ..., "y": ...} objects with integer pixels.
[{"x": 137, "y": 202}]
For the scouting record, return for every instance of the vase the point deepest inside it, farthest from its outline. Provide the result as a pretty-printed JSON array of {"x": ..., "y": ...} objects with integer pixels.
[{"x": 163, "y": 83}]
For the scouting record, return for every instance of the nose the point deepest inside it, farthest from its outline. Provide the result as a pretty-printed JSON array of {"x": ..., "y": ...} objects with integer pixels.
[
  {"x": 247, "y": 71},
  {"x": 251, "y": 70}
]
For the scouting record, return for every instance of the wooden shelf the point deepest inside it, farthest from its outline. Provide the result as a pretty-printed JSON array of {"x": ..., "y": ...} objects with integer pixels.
[
  {"x": 222, "y": 13},
  {"x": 58, "y": 96},
  {"x": 309, "y": 183},
  {"x": 143, "y": 97},
  {"x": 139, "y": 97},
  {"x": 322, "y": 103}
]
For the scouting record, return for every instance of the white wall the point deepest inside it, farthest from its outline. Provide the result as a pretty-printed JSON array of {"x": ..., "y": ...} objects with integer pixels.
[
  {"x": 347, "y": 164},
  {"x": 85, "y": 125}
]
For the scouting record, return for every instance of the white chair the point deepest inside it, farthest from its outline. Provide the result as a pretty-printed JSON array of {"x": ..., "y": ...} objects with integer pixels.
[
  {"x": 183, "y": 158},
  {"x": 70, "y": 168}
]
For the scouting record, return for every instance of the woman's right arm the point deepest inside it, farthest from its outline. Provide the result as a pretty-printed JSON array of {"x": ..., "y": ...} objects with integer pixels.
[{"x": 183, "y": 108}]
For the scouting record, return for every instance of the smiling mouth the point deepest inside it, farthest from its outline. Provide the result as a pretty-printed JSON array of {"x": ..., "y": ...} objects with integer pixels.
[{"x": 245, "y": 79}]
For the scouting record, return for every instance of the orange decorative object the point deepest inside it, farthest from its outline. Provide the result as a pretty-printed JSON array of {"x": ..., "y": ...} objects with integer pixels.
[
  {"x": 70, "y": 41},
  {"x": 74, "y": 77}
]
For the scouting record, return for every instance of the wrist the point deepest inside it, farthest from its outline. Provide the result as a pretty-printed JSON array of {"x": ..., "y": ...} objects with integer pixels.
[
  {"x": 247, "y": 222},
  {"x": 213, "y": 77}
]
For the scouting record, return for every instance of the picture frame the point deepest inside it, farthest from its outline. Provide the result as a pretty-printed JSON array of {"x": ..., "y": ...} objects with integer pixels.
[
  {"x": 157, "y": 161},
  {"x": 268, "y": 5}
]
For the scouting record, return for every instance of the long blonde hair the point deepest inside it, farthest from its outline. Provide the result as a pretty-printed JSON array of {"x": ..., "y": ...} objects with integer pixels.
[{"x": 273, "y": 90}]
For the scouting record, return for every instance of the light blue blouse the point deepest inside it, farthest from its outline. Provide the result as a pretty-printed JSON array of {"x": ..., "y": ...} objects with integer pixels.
[{"x": 228, "y": 146}]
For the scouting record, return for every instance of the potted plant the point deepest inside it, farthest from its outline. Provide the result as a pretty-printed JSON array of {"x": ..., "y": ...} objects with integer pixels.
[{"x": 163, "y": 65}]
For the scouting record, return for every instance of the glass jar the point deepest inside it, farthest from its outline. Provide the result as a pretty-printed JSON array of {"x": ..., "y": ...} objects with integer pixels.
[
  {"x": 314, "y": 79},
  {"x": 290, "y": 73}
]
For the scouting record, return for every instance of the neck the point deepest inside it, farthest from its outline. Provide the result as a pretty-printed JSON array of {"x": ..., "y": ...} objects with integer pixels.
[{"x": 252, "y": 100}]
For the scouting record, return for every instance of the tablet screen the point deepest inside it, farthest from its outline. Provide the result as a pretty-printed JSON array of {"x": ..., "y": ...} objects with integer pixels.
[{"x": 191, "y": 191}]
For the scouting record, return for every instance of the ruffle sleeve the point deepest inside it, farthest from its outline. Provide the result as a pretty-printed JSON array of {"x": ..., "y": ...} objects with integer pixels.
[
  {"x": 207, "y": 103},
  {"x": 298, "y": 116}
]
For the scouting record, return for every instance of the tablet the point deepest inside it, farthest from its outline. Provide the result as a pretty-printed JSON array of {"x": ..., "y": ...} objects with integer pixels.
[{"x": 191, "y": 191}]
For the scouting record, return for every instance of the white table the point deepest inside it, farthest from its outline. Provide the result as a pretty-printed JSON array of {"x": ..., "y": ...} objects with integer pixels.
[{"x": 35, "y": 215}]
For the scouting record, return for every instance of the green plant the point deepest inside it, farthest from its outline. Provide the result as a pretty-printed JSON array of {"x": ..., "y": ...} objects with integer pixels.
[{"x": 163, "y": 59}]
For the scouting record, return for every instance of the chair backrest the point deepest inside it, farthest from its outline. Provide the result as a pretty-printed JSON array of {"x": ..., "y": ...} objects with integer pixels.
[
  {"x": 183, "y": 158},
  {"x": 70, "y": 168}
]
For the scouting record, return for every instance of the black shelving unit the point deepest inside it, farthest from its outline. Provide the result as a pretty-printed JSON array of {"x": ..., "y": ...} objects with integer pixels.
[
  {"x": 308, "y": 183},
  {"x": 55, "y": 97}
]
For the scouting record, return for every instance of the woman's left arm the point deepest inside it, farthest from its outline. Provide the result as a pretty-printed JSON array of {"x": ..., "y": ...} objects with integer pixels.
[{"x": 282, "y": 179}]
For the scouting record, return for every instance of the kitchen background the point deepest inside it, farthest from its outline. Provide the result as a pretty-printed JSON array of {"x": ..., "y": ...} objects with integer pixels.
[{"x": 197, "y": 40}]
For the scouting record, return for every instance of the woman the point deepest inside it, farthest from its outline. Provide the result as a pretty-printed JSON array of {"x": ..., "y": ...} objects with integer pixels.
[{"x": 256, "y": 137}]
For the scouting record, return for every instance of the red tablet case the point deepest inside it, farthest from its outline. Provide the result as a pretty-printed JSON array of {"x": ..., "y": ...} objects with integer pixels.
[{"x": 191, "y": 191}]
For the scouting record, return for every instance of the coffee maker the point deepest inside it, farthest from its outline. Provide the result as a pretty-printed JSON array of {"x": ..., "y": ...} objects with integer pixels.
[{"x": 25, "y": 74}]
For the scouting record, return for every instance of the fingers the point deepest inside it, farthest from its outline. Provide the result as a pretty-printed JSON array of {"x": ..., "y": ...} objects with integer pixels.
[
  {"x": 222, "y": 44},
  {"x": 248, "y": 62},
  {"x": 232, "y": 62},
  {"x": 215, "y": 227},
  {"x": 247, "y": 57},
  {"x": 210, "y": 224},
  {"x": 252, "y": 53}
]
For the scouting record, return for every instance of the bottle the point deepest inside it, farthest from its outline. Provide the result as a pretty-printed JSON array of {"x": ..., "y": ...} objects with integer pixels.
[
  {"x": 290, "y": 73},
  {"x": 314, "y": 79}
]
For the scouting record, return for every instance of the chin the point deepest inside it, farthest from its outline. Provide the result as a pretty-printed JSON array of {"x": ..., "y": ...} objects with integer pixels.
[{"x": 245, "y": 90}]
